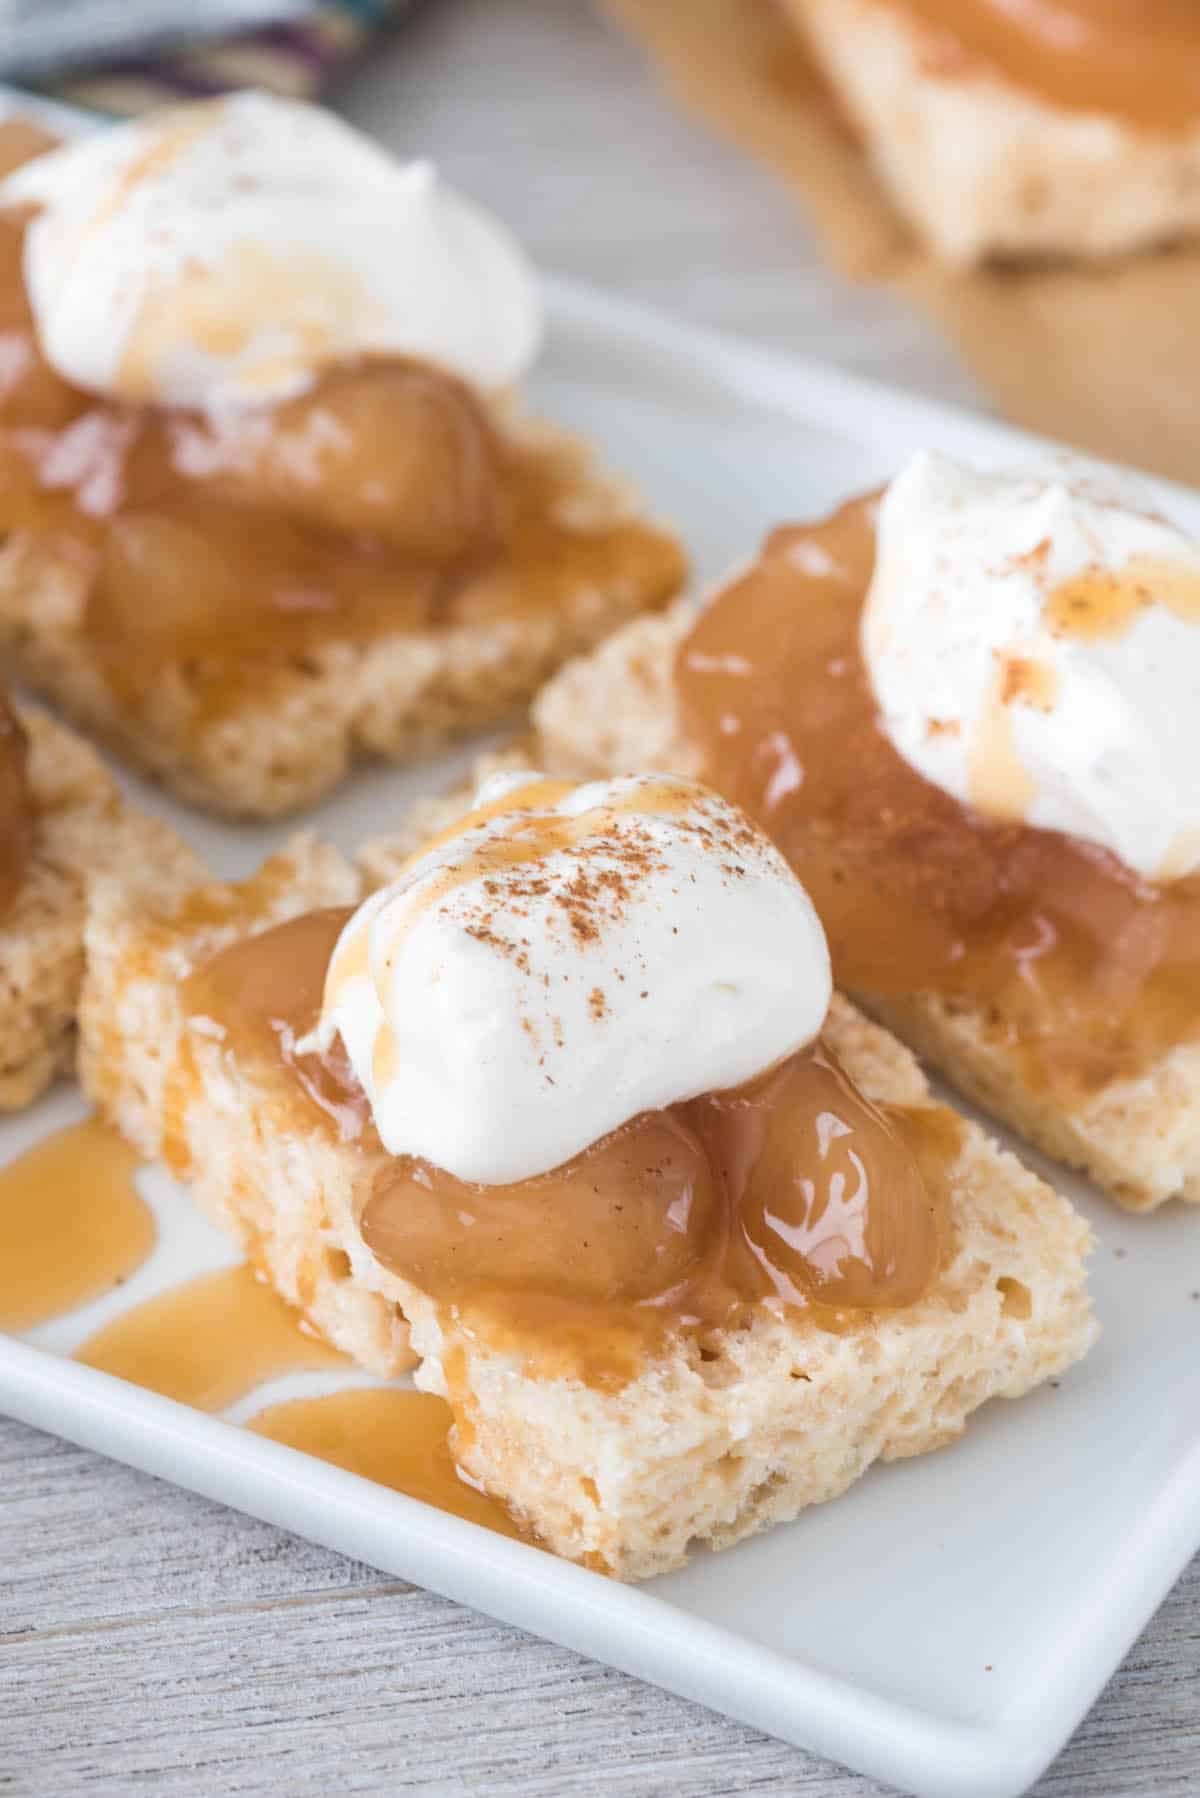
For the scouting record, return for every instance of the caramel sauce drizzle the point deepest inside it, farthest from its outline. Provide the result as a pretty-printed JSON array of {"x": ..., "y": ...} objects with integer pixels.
[
  {"x": 17, "y": 819},
  {"x": 72, "y": 1224},
  {"x": 1099, "y": 606},
  {"x": 1140, "y": 62},
  {"x": 210, "y": 1341},
  {"x": 264, "y": 994},
  {"x": 381, "y": 499},
  {"x": 535, "y": 832},
  {"x": 1085, "y": 969},
  {"x": 998, "y": 781},
  {"x": 531, "y": 838},
  {"x": 399, "y": 1439}
]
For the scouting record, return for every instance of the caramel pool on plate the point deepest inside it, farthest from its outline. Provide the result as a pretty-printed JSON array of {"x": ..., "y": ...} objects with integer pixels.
[
  {"x": 399, "y": 1439},
  {"x": 72, "y": 1224},
  {"x": 1090, "y": 971},
  {"x": 210, "y": 1340}
]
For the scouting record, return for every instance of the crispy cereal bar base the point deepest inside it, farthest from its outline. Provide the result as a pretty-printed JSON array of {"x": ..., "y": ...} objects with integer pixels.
[{"x": 709, "y": 1441}]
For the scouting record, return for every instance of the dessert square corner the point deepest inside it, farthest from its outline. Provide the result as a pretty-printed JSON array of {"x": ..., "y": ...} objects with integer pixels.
[
  {"x": 83, "y": 830},
  {"x": 703, "y": 1444}
]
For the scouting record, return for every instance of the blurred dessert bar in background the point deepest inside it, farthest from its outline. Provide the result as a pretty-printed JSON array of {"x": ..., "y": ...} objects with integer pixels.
[
  {"x": 268, "y": 499},
  {"x": 1028, "y": 175},
  {"x": 1056, "y": 127}
]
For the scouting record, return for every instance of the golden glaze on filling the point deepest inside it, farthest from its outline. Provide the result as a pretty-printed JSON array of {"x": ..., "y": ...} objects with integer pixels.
[
  {"x": 1140, "y": 61},
  {"x": 16, "y": 807},
  {"x": 383, "y": 499},
  {"x": 794, "y": 1187},
  {"x": 1088, "y": 970}
]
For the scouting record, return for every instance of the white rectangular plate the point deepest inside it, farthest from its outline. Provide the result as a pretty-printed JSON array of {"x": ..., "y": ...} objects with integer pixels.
[{"x": 946, "y": 1624}]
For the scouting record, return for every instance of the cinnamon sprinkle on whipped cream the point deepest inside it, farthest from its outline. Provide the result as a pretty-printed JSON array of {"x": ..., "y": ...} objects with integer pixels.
[{"x": 567, "y": 959}]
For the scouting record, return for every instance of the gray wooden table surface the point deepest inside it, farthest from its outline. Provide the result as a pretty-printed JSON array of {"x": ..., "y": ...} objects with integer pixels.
[{"x": 153, "y": 1642}]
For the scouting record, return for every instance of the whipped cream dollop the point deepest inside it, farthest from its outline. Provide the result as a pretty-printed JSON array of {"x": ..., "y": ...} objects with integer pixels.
[
  {"x": 221, "y": 253},
  {"x": 1034, "y": 647},
  {"x": 568, "y": 958}
]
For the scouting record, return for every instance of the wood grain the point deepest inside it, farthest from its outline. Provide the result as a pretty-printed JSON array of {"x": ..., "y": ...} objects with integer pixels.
[{"x": 150, "y": 1640}]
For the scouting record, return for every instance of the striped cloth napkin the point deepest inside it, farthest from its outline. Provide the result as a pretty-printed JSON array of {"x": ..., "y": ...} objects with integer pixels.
[{"x": 124, "y": 56}]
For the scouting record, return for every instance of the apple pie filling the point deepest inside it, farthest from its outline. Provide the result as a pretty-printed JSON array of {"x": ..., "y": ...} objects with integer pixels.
[
  {"x": 1090, "y": 971},
  {"x": 794, "y": 1188}
]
